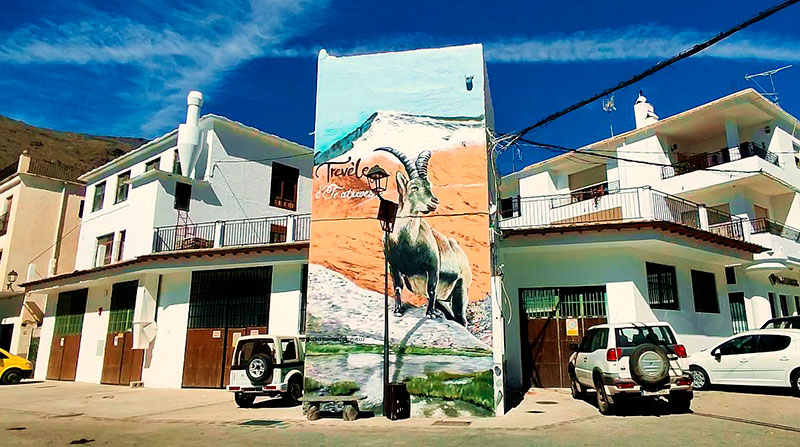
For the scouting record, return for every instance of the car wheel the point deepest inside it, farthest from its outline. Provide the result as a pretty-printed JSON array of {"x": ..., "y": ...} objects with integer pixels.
[
  {"x": 603, "y": 404},
  {"x": 700, "y": 380},
  {"x": 796, "y": 382},
  {"x": 244, "y": 400},
  {"x": 293, "y": 393},
  {"x": 577, "y": 389},
  {"x": 11, "y": 377},
  {"x": 681, "y": 402},
  {"x": 259, "y": 368}
]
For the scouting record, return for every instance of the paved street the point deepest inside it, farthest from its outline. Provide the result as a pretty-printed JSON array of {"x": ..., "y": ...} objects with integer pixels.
[{"x": 56, "y": 413}]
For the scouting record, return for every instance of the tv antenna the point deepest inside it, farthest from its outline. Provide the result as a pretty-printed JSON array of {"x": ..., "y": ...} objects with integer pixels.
[
  {"x": 773, "y": 95},
  {"x": 608, "y": 107}
]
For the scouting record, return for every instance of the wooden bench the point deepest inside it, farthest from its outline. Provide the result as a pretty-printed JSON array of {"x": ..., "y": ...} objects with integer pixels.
[{"x": 350, "y": 412}]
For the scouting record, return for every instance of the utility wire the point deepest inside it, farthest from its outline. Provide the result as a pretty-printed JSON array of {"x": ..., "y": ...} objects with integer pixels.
[{"x": 655, "y": 68}]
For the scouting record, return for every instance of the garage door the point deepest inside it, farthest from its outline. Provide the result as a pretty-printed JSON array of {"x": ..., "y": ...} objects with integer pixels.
[
  {"x": 66, "y": 344},
  {"x": 223, "y": 305},
  {"x": 546, "y": 339},
  {"x": 121, "y": 363}
]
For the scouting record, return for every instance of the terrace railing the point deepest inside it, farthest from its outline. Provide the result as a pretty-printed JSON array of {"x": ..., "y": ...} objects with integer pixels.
[
  {"x": 711, "y": 159},
  {"x": 241, "y": 232},
  {"x": 764, "y": 225},
  {"x": 53, "y": 169},
  {"x": 622, "y": 205}
]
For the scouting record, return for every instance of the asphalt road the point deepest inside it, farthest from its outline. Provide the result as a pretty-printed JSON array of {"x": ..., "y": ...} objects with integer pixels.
[{"x": 81, "y": 414}]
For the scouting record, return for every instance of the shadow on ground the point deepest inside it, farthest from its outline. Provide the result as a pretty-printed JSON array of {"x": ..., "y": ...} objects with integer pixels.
[{"x": 656, "y": 407}]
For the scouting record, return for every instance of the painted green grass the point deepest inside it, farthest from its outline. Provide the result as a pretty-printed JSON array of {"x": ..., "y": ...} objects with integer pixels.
[
  {"x": 475, "y": 388},
  {"x": 341, "y": 388},
  {"x": 336, "y": 348}
]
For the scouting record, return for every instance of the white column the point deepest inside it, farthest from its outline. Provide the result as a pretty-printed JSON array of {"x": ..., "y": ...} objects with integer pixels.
[
  {"x": 703, "y": 213},
  {"x": 645, "y": 211},
  {"x": 219, "y": 230},
  {"x": 732, "y": 133},
  {"x": 290, "y": 223},
  {"x": 498, "y": 342}
]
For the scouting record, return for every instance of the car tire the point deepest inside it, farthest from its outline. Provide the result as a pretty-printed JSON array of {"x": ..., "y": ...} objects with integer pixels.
[
  {"x": 643, "y": 358},
  {"x": 244, "y": 400},
  {"x": 681, "y": 402},
  {"x": 700, "y": 380},
  {"x": 578, "y": 392},
  {"x": 796, "y": 382},
  {"x": 11, "y": 377},
  {"x": 259, "y": 368},
  {"x": 603, "y": 404},
  {"x": 293, "y": 393}
]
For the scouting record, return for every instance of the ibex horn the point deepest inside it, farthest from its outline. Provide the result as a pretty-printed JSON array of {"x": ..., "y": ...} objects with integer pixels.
[
  {"x": 422, "y": 163},
  {"x": 410, "y": 169}
]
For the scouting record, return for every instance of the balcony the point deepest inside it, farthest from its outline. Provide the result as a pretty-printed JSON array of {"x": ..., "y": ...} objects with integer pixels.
[
  {"x": 711, "y": 159},
  {"x": 618, "y": 206},
  {"x": 230, "y": 233},
  {"x": 767, "y": 226}
]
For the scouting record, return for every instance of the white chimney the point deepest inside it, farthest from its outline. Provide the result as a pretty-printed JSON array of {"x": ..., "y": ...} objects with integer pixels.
[
  {"x": 643, "y": 112},
  {"x": 189, "y": 133}
]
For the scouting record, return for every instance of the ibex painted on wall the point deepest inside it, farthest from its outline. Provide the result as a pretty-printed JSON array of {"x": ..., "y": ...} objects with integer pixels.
[{"x": 427, "y": 262}]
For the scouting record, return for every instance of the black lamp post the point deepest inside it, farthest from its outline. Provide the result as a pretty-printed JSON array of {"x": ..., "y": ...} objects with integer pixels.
[
  {"x": 12, "y": 278},
  {"x": 387, "y": 212}
]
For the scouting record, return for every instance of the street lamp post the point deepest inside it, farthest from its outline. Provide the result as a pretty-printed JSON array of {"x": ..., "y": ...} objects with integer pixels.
[{"x": 387, "y": 212}]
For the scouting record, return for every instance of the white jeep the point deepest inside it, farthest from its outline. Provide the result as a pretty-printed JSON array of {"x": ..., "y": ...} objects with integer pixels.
[
  {"x": 267, "y": 365},
  {"x": 631, "y": 360}
]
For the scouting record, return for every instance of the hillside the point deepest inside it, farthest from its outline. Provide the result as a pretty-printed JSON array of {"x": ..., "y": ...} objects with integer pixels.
[{"x": 82, "y": 151}]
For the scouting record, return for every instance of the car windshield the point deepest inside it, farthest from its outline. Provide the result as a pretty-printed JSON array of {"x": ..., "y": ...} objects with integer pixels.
[
  {"x": 782, "y": 323},
  {"x": 247, "y": 349},
  {"x": 630, "y": 337}
]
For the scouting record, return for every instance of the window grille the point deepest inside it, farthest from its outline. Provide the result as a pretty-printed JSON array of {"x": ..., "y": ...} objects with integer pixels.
[
  {"x": 234, "y": 298},
  {"x": 70, "y": 309},
  {"x": 662, "y": 286},
  {"x": 565, "y": 302}
]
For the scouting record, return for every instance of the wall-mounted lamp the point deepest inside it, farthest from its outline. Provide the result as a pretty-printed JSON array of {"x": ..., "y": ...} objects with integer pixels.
[
  {"x": 11, "y": 278},
  {"x": 377, "y": 177},
  {"x": 468, "y": 80}
]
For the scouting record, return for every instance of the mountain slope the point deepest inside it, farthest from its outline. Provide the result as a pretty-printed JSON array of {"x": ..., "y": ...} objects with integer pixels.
[{"x": 82, "y": 151}]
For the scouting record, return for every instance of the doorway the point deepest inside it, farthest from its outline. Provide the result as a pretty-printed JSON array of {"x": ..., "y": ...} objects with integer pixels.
[
  {"x": 738, "y": 312},
  {"x": 63, "y": 363},
  {"x": 6, "y": 332},
  {"x": 121, "y": 363},
  {"x": 223, "y": 306},
  {"x": 550, "y": 313}
]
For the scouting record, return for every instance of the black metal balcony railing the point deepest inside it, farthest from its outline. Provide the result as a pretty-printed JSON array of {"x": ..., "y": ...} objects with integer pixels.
[
  {"x": 764, "y": 225},
  {"x": 54, "y": 169},
  {"x": 711, "y": 159},
  {"x": 623, "y": 205},
  {"x": 265, "y": 230}
]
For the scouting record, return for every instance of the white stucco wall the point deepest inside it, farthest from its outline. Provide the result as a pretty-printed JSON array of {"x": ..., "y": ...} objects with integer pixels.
[
  {"x": 93, "y": 335},
  {"x": 163, "y": 364},
  {"x": 285, "y": 299}
]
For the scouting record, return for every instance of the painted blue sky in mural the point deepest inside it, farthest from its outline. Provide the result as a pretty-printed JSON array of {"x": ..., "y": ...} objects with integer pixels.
[{"x": 123, "y": 67}]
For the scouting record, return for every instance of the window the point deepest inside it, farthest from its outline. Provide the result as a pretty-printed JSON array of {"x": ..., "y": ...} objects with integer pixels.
[
  {"x": 283, "y": 191},
  {"x": 80, "y": 209},
  {"x": 600, "y": 340},
  {"x": 6, "y": 217},
  {"x": 509, "y": 207},
  {"x": 730, "y": 275},
  {"x": 773, "y": 343},
  {"x": 102, "y": 255},
  {"x": 152, "y": 165},
  {"x": 784, "y": 306},
  {"x": 739, "y": 345},
  {"x": 631, "y": 337},
  {"x": 277, "y": 233},
  {"x": 121, "y": 246},
  {"x": 183, "y": 196},
  {"x": 772, "y": 306},
  {"x": 589, "y": 301},
  {"x": 797, "y": 305},
  {"x": 662, "y": 286},
  {"x": 738, "y": 312},
  {"x": 176, "y": 164},
  {"x": 588, "y": 340},
  {"x": 704, "y": 288},
  {"x": 122, "y": 187},
  {"x": 99, "y": 195},
  {"x": 289, "y": 350}
]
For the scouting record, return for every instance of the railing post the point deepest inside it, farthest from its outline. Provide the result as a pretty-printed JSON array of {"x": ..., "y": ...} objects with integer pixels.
[
  {"x": 219, "y": 234},
  {"x": 747, "y": 228},
  {"x": 155, "y": 240},
  {"x": 291, "y": 222},
  {"x": 646, "y": 204},
  {"x": 702, "y": 212}
]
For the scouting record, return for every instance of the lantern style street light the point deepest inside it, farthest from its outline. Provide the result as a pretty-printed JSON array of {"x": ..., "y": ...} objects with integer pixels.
[
  {"x": 387, "y": 213},
  {"x": 11, "y": 278}
]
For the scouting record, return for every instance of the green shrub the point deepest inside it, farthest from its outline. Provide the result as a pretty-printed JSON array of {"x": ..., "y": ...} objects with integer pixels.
[
  {"x": 343, "y": 388},
  {"x": 478, "y": 390}
]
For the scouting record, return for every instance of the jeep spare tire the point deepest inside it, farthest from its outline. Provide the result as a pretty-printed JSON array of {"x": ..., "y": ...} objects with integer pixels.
[
  {"x": 649, "y": 365},
  {"x": 259, "y": 368}
]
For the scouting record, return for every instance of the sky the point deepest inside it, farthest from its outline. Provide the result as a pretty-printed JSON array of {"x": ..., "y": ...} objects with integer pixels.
[{"x": 112, "y": 67}]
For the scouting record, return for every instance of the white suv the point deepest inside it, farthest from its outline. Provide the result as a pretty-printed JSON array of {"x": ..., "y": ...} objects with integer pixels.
[
  {"x": 267, "y": 365},
  {"x": 631, "y": 360}
]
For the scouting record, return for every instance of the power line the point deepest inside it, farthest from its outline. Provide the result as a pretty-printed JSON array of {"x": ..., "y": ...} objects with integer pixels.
[
  {"x": 284, "y": 157},
  {"x": 655, "y": 68}
]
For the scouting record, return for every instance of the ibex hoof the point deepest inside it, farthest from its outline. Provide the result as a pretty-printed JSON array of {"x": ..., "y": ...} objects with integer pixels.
[
  {"x": 433, "y": 315},
  {"x": 398, "y": 311}
]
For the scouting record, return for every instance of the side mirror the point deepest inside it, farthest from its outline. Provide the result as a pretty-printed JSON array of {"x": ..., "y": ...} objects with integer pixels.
[
  {"x": 573, "y": 347},
  {"x": 716, "y": 353}
]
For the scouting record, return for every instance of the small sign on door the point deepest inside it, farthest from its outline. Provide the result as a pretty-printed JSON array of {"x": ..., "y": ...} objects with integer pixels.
[
  {"x": 572, "y": 327},
  {"x": 253, "y": 331},
  {"x": 216, "y": 334},
  {"x": 62, "y": 342}
]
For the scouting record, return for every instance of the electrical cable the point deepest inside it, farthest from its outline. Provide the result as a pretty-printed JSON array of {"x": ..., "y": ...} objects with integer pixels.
[{"x": 655, "y": 68}]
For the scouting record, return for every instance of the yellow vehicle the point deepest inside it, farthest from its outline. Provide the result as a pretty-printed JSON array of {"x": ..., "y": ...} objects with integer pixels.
[{"x": 13, "y": 368}]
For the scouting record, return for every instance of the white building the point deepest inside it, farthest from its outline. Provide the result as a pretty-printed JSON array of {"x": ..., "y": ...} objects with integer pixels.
[
  {"x": 691, "y": 219},
  {"x": 188, "y": 242}
]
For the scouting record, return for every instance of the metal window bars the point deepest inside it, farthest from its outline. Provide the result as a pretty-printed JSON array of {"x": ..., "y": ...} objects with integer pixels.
[{"x": 711, "y": 159}]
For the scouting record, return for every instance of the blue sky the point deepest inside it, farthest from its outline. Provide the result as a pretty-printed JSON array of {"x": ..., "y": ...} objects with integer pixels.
[{"x": 124, "y": 67}]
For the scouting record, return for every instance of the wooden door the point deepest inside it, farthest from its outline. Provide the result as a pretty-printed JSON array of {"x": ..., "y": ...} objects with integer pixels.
[
  {"x": 56, "y": 355},
  {"x": 121, "y": 363},
  {"x": 63, "y": 363},
  {"x": 202, "y": 366}
]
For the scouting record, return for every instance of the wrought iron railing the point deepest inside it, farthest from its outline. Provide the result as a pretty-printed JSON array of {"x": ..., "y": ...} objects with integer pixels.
[
  {"x": 241, "y": 232},
  {"x": 623, "y": 205},
  {"x": 587, "y": 193},
  {"x": 764, "y": 225},
  {"x": 711, "y": 159},
  {"x": 53, "y": 169}
]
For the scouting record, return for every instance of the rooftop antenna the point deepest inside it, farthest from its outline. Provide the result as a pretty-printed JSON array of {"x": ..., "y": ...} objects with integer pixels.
[
  {"x": 608, "y": 106},
  {"x": 773, "y": 95}
]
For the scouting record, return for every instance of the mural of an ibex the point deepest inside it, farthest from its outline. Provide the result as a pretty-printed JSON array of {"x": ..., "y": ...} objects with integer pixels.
[{"x": 427, "y": 262}]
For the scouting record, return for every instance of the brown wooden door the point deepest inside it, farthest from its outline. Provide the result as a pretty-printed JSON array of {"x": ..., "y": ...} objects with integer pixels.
[
  {"x": 69, "y": 360},
  {"x": 202, "y": 366},
  {"x": 56, "y": 355},
  {"x": 121, "y": 364},
  {"x": 63, "y": 363}
]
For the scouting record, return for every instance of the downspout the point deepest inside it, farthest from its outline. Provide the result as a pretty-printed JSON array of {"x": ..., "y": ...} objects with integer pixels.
[{"x": 53, "y": 267}]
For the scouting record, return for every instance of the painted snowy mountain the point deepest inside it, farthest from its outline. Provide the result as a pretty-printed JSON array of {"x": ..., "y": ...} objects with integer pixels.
[{"x": 406, "y": 132}]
